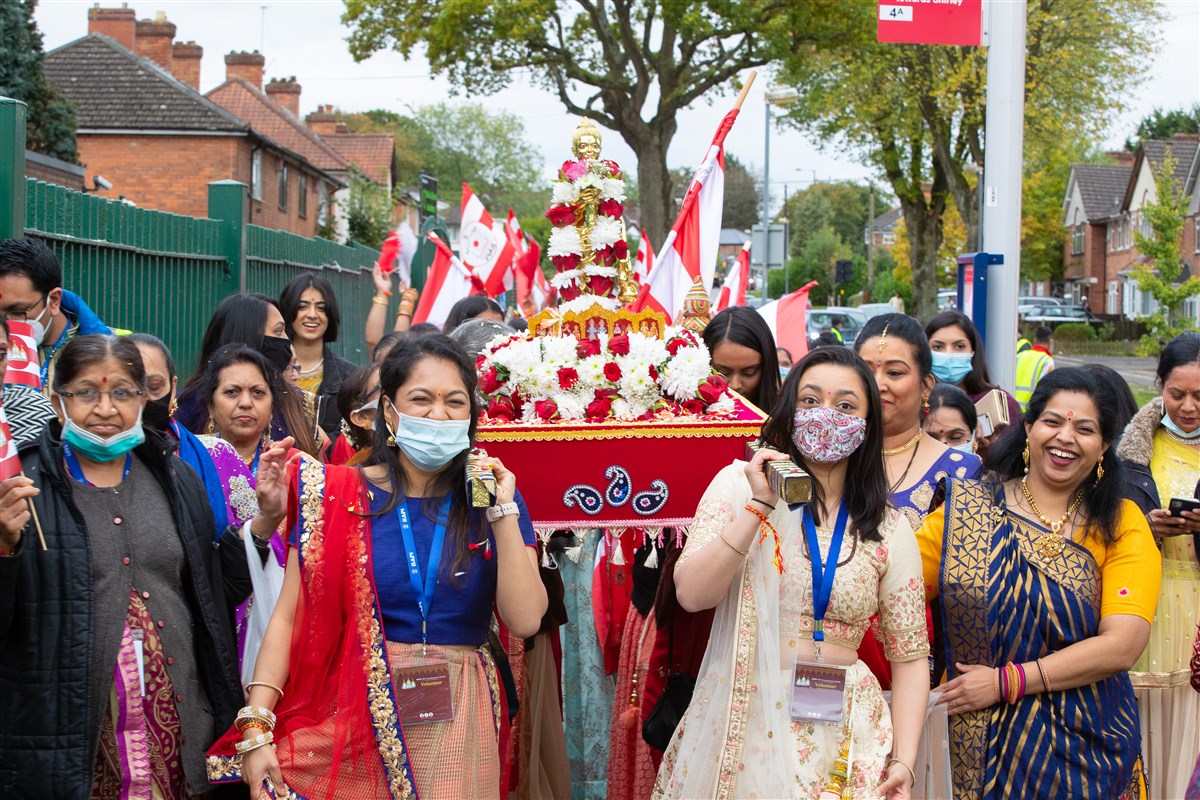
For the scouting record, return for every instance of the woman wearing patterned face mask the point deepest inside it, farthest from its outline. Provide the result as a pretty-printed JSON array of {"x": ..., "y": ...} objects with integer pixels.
[
  {"x": 1161, "y": 447},
  {"x": 794, "y": 592},
  {"x": 392, "y": 549},
  {"x": 117, "y": 665},
  {"x": 958, "y": 359}
]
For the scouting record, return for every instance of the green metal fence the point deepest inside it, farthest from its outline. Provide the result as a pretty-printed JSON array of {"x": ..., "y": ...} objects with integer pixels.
[{"x": 162, "y": 273}]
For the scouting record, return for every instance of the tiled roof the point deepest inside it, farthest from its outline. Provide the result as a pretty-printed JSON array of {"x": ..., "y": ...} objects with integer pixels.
[
  {"x": 1182, "y": 151},
  {"x": 886, "y": 222},
  {"x": 372, "y": 153},
  {"x": 1102, "y": 188},
  {"x": 113, "y": 88},
  {"x": 733, "y": 236},
  {"x": 240, "y": 97}
]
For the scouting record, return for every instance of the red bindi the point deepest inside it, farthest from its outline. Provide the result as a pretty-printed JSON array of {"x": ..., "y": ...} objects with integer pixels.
[{"x": 104, "y": 380}]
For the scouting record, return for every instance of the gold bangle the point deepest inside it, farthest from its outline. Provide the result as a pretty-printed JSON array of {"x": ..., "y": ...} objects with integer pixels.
[
  {"x": 379, "y": 300},
  {"x": 268, "y": 685},
  {"x": 732, "y": 546},
  {"x": 1045, "y": 679},
  {"x": 405, "y": 309},
  {"x": 912, "y": 774}
]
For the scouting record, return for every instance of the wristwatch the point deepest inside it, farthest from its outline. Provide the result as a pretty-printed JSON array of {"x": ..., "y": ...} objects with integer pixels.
[{"x": 502, "y": 510}]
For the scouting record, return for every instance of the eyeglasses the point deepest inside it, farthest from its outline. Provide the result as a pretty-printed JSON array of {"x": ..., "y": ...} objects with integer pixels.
[
  {"x": 119, "y": 397},
  {"x": 23, "y": 316}
]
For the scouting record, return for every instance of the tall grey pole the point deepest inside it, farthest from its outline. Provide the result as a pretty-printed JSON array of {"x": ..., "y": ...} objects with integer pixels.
[
  {"x": 766, "y": 199},
  {"x": 1002, "y": 166}
]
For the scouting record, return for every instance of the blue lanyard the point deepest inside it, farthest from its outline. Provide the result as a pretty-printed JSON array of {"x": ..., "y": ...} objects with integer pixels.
[
  {"x": 823, "y": 573},
  {"x": 45, "y": 370},
  {"x": 423, "y": 590},
  {"x": 77, "y": 471},
  {"x": 254, "y": 463}
]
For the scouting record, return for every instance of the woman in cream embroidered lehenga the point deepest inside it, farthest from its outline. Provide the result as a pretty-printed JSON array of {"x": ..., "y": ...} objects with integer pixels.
[{"x": 737, "y": 738}]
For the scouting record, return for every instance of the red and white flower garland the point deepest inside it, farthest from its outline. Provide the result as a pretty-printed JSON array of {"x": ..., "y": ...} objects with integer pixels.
[{"x": 566, "y": 247}]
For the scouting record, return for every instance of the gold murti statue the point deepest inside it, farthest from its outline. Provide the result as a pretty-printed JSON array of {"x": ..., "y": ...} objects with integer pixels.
[
  {"x": 696, "y": 308},
  {"x": 586, "y": 142}
]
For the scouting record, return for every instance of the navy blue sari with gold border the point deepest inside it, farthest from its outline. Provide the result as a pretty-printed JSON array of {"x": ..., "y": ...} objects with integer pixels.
[{"x": 1000, "y": 604}]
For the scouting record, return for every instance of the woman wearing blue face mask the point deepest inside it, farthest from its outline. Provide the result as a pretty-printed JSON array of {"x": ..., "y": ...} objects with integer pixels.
[
  {"x": 958, "y": 358},
  {"x": 117, "y": 663},
  {"x": 951, "y": 418},
  {"x": 1161, "y": 447},
  {"x": 391, "y": 583}
]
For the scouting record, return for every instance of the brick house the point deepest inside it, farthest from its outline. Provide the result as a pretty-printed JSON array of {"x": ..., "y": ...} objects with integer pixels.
[
  {"x": 883, "y": 228},
  {"x": 1102, "y": 210},
  {"x": 144, "y": 126}
]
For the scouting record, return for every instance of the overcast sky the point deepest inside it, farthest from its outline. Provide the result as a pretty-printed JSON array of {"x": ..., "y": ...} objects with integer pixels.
[{"x": 306, "y": 38}]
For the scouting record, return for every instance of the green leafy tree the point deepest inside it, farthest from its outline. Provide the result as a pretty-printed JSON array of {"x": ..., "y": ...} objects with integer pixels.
[
  {"x": 1159, "y": 124},
  {"x": 843, "y": 206},
  {"x": 50, "y": 121},
  {"x": 368, "y": 211},
  {"x": 630, "y": 65},
  {"x": 917, "y": 112},
  {"x": 1160, "y": 273},
  {"x": 741, "y": 205}
]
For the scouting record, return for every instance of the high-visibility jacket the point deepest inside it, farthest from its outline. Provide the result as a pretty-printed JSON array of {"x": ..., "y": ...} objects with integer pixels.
[
  {"x": 1031, "y": 366},
  {"x": 1023, "y": 344}
]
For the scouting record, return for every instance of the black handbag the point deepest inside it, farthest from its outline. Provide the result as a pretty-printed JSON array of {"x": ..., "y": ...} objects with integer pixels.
[{"x": 664, "y": 718}]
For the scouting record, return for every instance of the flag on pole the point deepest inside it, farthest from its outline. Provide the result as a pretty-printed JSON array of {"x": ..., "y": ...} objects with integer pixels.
[
  {"x": 690, "y": 249},
  {"x": 543, "y": 293},
  {"x": 397, "y": 251},
  {"x": 644, "y": 261},
  {"x": 733, "y": 293},
  {"x": 10, "y": 462},
  {"x": 23, "y": 367},
  {"x": 788, "y": 320},
  {"x": 484, "y": 245},
  {"x": 449, "y": 281}
]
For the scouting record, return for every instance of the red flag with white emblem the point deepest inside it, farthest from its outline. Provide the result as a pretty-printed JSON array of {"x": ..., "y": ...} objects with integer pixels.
[
  {"x": 733, "y": 293},
  {"x": 484, "y": 245},
  {"x": 23, "y": 367}
]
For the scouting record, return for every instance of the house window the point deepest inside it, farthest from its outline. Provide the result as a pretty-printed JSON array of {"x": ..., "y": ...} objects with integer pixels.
[
  {"x": 889, "y": 238},
  {"x": 1196, "y": 234},
  {"x": 256, "y": 175},
  {"x": 302, "y": 204},
  {"x": 1077, "y": 240},
  {"x": 322, "y": 203},
  {"x": 283, "y": 185}
]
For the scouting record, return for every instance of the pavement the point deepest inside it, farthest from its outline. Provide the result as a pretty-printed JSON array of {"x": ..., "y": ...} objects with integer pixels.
[{"x": 1137, "y": 371}]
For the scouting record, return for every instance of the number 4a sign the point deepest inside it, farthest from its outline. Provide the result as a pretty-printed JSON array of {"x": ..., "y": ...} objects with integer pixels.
[{"x": 953, "y": 22}]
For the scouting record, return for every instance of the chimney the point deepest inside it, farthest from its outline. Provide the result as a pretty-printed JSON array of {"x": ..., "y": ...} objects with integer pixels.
[
  {"x": 245, "y": 65},
  {"x": 1121, "y": 158},
  {"x": 323, "y": 121},
  {"x": 285, "y": 92},
  {"x": 341, "y": 127},
  {"x": 115, "y": 23},
  {"x": 185, "y": 63},
  {"x": 154, "y": 40}
]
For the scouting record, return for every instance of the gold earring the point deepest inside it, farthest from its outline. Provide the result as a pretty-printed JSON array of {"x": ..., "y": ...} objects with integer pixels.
[
  {"x": 266, "y": 440},
  {"x": 926, "y": 405},
  {"x": 1025, "y": 456},
  {"x": 174, "y": 407},
  {"x": 1100, "y": 470},
  {"x": 211, "y": 428}
]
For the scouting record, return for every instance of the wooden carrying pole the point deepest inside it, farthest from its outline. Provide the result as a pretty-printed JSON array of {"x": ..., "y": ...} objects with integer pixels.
[{"x": 741, "y": 98}]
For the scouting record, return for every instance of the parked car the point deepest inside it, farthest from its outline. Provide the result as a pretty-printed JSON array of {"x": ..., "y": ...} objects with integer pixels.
[
  {"x": 849, "y": 321},
  {"x": 875, "y": 309},
  {"x": 1053, "y": 316},
  {"x": 947, "y": 299},
  {"x": 1034, "y": 305}
]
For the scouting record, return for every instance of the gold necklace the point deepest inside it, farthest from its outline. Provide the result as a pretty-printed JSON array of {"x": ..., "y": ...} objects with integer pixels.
[
  {"x": 1050, "y": 545},
  {"x": 904, "y": 448}
]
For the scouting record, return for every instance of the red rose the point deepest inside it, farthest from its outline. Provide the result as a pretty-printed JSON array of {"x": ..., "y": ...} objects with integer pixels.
[
  {"x": 608, "y": 394},
  {"x": 545, "y": 409},
  {"x": 619, "y": 345},
  {"x": 569, "y": 292},
  {"x": 502, "y": 408},
  {"x": 603, "y": 257},
  {"x": 611, "y": 208},
  {"x": 598, "y": 284},
  {"x": 587, "y": 347},
  {"x": 711, "y": 390},
  {"x": 489, "y": 381},
  {"x": 561, "y": 216},
  {"x": 565, "y": 262},
  {"x": 612, "y": 371},
  {"x": 621, "y": 250},
  {"x": 598, "y": 409},
  {"x": 693, "y": 407},
  {"x": 567, "y": 377},
  {"x": 676, "y": 344},
  {"x": 653, "y": 372},
  {"x": 573, "y": 170},
  {"x": 480, "y": 360}
]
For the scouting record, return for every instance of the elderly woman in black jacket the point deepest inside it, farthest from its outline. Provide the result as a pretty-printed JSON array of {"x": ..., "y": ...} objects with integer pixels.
[{"x": 117, "y": 664}]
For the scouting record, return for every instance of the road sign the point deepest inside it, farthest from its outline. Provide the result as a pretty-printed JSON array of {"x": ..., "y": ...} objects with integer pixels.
[
  {"x": 774, "y": 250},
  {"x": 427, "y": 201},
  {"x": 954, "y": 22}
]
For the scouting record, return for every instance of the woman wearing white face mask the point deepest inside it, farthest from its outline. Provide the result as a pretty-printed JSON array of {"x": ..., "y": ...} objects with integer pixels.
[
  {"x": 358, "y": 405},
  {"x": 391, "y": 583},
  {"x": 117, "y": 665},
  {"x": 952, "y": 418},
  {"x": 772, "y": 573}
]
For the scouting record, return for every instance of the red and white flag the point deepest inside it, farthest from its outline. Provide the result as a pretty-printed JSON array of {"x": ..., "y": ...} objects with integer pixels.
[
  {"x": 690, "y": 249},
  {"x": 449, "y": 281},
  {"x": 644, "y": 262},
  {"x": 788, "y": 320},
  {"x": 733, "y": 293},
  {"x": 397, "y": 251},
  {"x": 10, "y": 462},
  {"x": 484, "y": 245},
  {"x": 23, "y": 367}
]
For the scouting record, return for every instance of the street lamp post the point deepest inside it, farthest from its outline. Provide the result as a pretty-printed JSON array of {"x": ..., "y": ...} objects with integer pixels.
[{"x": 781, "y": 96}]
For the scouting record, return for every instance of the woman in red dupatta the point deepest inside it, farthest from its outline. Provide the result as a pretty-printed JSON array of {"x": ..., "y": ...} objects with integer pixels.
[{"x": 343, "y": 625}]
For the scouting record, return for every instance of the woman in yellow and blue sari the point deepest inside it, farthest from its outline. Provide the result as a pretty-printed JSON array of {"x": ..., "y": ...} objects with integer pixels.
[{"x": 1048, "y": 581}]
